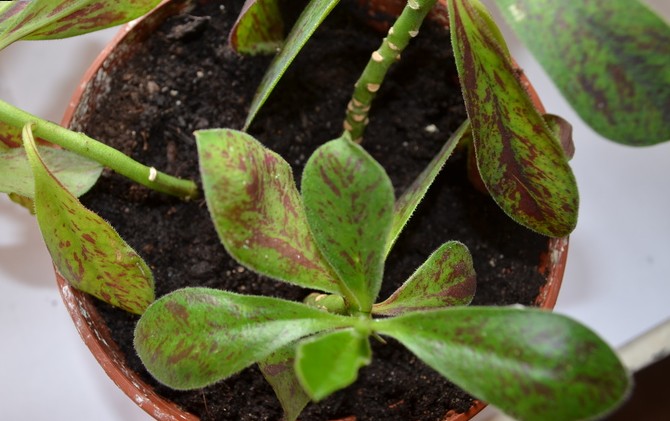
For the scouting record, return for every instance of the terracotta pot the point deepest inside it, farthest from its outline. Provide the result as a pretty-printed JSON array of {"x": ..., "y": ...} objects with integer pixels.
[{"x": 81, "y": 307}]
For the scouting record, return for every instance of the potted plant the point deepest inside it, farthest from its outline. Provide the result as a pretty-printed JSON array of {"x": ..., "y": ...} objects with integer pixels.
[{"x": 346, "y": 142}]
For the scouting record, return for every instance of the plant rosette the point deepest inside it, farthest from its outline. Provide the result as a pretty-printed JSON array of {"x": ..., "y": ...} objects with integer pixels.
[{"x": 84, "y": 312}]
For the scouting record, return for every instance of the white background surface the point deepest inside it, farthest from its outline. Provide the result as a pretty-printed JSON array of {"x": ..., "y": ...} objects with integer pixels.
[{"x": 617, "y": 280}]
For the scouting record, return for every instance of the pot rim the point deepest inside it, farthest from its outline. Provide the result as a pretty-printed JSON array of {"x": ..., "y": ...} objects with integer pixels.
[{"x": 86, "y": 317}]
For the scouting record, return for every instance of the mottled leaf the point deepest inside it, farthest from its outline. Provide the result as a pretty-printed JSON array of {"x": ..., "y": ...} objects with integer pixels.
[
  {"x": 410, "y": 199},
  {"x": 48, "y": 19},
  {"x": 259, "y": 28},
  {"x": 278, "y": 369},
  {"x": 78, "y": 174},
  {"x": 609, "y": 58},
  {"x": 349, "y": 206},
  {"x": 530, "y": 363},
  {"x": 84, "y": 248},
  {"x": 562, "y": 130},
  {"x": 194, "y": 337},
  {"x": 10, "y": 137},
  {"x": 446, "y": 279},
  {"x": 330, "y": 361},
  {"x": 257, "y": 210},
  {"x": 520, "y": 161},
  {"x": 310, "y": 19}
]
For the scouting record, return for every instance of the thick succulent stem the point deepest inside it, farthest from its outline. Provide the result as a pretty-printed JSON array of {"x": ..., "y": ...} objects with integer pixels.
[
  {"x": 83, "y": 145},
  {"x": 403, "y": 30}
]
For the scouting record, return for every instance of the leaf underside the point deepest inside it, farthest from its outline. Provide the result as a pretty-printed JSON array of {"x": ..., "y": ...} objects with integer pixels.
[
  {"x": 84, "y": 248},
  {"x": 278, "y": 370},
  {"x": 530, "y": 363},
  {"x": 520, "y": 161},
  {"x": 609, "y": 58},
  {"x": 259, "y": 28}
]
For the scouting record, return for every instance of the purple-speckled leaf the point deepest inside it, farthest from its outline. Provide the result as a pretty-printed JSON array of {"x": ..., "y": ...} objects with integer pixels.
[
  {"x": 520, "y": 161},
  {"x": 446, "y": 279},
  {"x": 78, "y": 174},
  {"x": 610, "y": 58},
  {"x": 310, "y": 19},
  {"x": 84, "y": 248},
  {"x": 257, "y": 210},
  {"x": 349, "y": 206},
  {"x": 278, "y": 369},
  {"x": 410, "y": 199},
  {"x": 48, "y": 19},
  {"x": 329, "y": 362},
  {"x": 532, "y": 364},
  {"x": 194, "y": 337},
  {"x": 259, "y": 28}
]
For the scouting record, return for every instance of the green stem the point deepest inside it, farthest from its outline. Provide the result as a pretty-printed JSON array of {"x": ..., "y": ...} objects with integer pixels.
[
  {"x": 403, "y": 30},
  {"x": 83, "y": 145}
]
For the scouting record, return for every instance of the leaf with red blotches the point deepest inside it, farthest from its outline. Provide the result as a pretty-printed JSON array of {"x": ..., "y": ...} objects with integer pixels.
[
  {"x": 258, "y": 29},
  {"x": 85, "y": 249},
  {"x": 520, "y": 160},
  {"x": 257, "y": 210},
  {"x": 48, "y": 19},
  {"x": 278, "y": 370}
]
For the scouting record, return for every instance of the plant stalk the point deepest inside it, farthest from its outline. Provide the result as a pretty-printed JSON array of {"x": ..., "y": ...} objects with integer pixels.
[
  {"x": 86, "y": 146},
  {"x": 403, "y": 30}
]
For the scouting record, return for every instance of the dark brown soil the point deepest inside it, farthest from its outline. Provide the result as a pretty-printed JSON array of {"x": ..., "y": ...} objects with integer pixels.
[{"x": 188, "y": 80}]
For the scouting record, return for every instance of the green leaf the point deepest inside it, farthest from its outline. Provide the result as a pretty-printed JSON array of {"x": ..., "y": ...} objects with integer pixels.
[
  {"x": 84, "y": 248},
  {"x": 10, "y": 137},
  {"x": 410, "y": 199},
  {"x": 48, "y": 19},
  {"x": 562, "y": 129},
  {"x": 278, "y": 369},
  {"x": 521, "y": 163},
  {"x": 310, "y": 19},
  {"x": 194, "y": 337},
  {"x": 532, "y": 364},
  {"x": 609, "y": 58},
  {"x": 330, "y": 361},
  {"x": 446, "y": 279},
  {"x": 349, "y": 206},
  {"x": 78, "y": 174},
  {"x": 259, "y": 28},
  {"x": 257, "y": 210}
]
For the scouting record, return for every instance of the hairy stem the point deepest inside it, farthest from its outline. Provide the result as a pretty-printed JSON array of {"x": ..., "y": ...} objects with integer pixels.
[
  {"x": 403, "y": 30},
  {"x": 83, "y": 145}
]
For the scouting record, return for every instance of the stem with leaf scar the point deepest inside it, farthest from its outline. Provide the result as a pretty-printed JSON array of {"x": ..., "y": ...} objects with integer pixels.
[
  {"x": 83, "y": 145},
  {"x": 403, "y": 30}
]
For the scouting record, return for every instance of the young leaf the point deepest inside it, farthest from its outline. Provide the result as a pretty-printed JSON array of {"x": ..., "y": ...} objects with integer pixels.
[
  {"x": 257, "y": 211},
  {"x": 410, "y": 199},
  {"x": 78, "y": 174},
  {"x": 310, "y": 19},
  {"x": 562, "y": 129},
  {"x": 349, "y": 206},
  {"x": 278, "y": 370},
  {"x": 610, "y": 58},
  {"x": 446, "y": 279},
  {"x": 530, "y": 363},
  {"x": 194, "y": 337},
  {"x": 84, "y": 248},
  {"x": 48, "y": 19},
  {"x": 520, "y": 161},
  {"x": 330, "y": 361},
  {"x": 259, "y": 28}
]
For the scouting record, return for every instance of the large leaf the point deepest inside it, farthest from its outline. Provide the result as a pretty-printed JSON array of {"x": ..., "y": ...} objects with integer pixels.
[
  {"x": 78, "y": 174},
  {"x": 531, "y": 363},
  {"x": 278, "y": 369},
  {"x": 259, "y": 28},
  {"x": 410, "y": 199},
  {"x": 330, "y": 361},
  {"x": 349, "y": 206},
  {"x": 610, "y": 58},
  {"x": 310, "y": 19},
  {"x": 520, "y": 161},
  {"x": 197, "y": 336},
  {"x": 49, "y": 19},
  {"x": 84, "y": 248},
  {"x": 257, "y": 210},
  {"x": 446, "y": 279}
]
